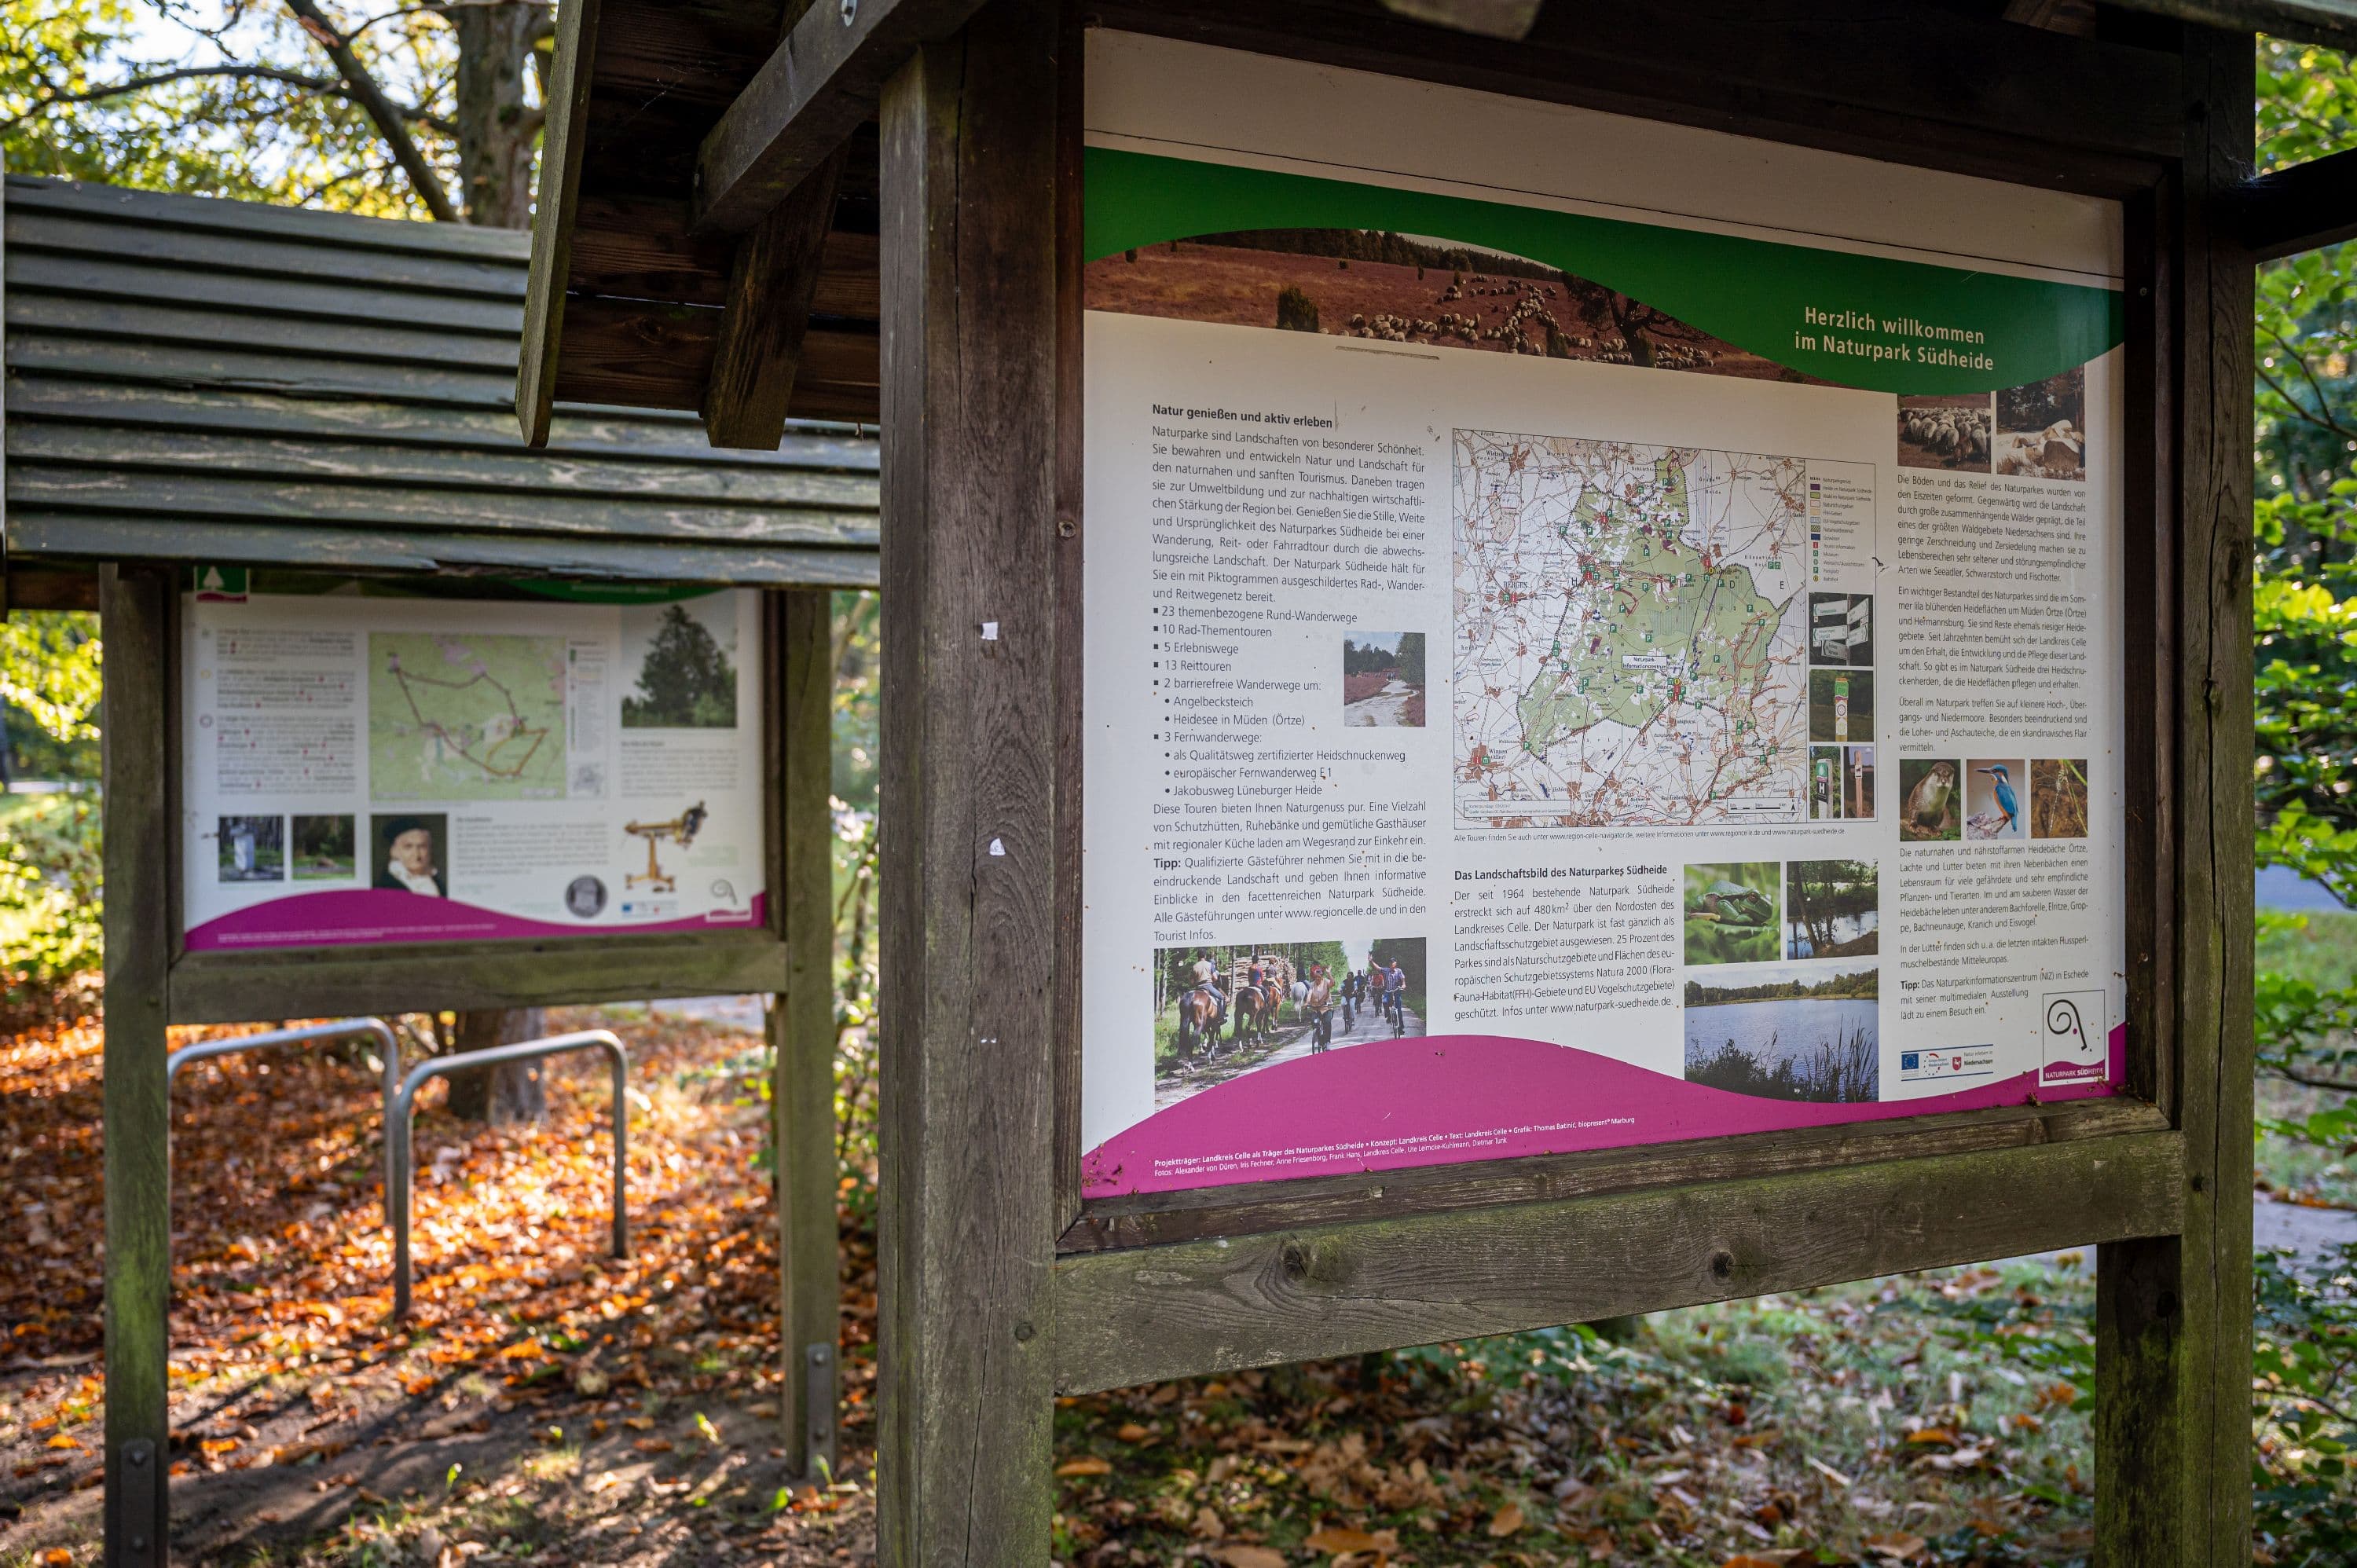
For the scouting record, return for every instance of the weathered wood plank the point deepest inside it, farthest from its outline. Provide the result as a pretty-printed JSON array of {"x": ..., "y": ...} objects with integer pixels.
[
  {"x": 1130, "y": 1317},
  {"x": 2064, "y": 113},
  {"x": 636, "y": 485},
  {"x": 1258, "y": 1208},
  {"x": 802, "y": 1022},
  {"x": 968, "y": 1222},
  {"x": 817, "y": 87},
  {"x": 140, "y": 211},
  {"x": 230, "y": 370},
  {"x": 83, "y": 274},
  {"x": 134, "y": 618},
  {"x": 2298, "y": 208},
  {"x": 490, "y": 274},
  {"x": 286, "y": 337},
  {"x": 97, "y": 536},
  {"x": 298, "y": 499},
  {"x": 563, "y": 141},
  {"x": 50, "y": 587},
  {"x": 227, "y": 988},
  {"x": 2173, "y": 1313},
  {"x": 772, "y": 280},
  {"x": 649, "y": 436},
  {"x": 2330, "y": 22}
]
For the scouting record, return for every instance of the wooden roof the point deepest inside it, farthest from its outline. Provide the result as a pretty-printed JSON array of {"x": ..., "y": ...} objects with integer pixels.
[
  {"x": 216, "y": 381},
  {"x": 677, "y": 129}
]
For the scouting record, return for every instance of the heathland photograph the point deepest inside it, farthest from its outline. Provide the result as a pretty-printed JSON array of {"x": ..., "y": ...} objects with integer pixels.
[
  {"x": 1383, "y": 680},
  {"x": 1831, "y": 908},
  {"x": 1730, "y": 912},
  {"x": 1406, "y": 289},
  {"x": 1786, "y": 1034}
]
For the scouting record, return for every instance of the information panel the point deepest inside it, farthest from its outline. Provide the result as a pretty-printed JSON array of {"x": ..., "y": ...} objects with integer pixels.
[
  {"x": 371, "y": 765},
  {"x": 1598, "y": 633}
]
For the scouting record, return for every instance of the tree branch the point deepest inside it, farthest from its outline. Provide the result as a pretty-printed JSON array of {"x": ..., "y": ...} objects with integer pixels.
[
  {"x": 184, "y": 73},
  {"x": 380, "y": 109}
]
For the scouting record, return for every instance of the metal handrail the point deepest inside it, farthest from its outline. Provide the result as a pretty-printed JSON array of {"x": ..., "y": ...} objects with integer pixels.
[
  {"x": 388, "y": 1056},
  {"x": 399, "y": 1128}
]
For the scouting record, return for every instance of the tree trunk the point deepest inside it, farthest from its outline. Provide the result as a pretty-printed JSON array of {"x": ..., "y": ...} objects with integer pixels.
[
  {"x": 514, "y": 1092},
  {"x": 497, "y": 129},
  {"x": 497, "y": 135}
]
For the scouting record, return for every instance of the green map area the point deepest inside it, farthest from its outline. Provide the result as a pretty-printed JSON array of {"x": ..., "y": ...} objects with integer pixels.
[
  {"x": 465, "y": 717},
  {"x": 1628, "y": 640}
]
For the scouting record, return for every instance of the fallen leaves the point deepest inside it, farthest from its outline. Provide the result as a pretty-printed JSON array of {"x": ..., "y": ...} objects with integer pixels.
[
  {"x": 1505, "y": 1521},
  {"x": 1087, "y": 1465},
  {"x": 1245, "y": 1556}
]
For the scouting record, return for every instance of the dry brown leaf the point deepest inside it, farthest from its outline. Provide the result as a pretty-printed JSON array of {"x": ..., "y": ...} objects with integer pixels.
[
  {"x": 1931, "y": 1434},
  {"x": 1132, "y": 1431},
  {"x": 1087, "y": 1465},
  {"x": 1897, "y": 1545},
  {"x": 1207, "y": 1525},
  {"x": 1241, "y": 1556},
  {"x": 1340, "y": 1537},
  {"x": 652, "y": 1445},
  {"x": 1506, "y": 1520}
]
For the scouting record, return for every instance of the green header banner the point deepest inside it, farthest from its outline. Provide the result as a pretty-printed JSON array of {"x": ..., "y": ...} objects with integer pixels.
[{"x": 1860, "y": 321}]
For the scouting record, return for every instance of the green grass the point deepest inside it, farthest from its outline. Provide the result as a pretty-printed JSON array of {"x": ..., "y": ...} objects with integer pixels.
[{"x": 2320, "y": 949}]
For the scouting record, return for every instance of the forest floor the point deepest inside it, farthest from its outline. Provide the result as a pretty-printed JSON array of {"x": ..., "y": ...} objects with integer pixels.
[{"x": 550, "y": 1405}]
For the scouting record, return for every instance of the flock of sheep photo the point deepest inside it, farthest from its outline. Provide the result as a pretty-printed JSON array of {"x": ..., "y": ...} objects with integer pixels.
[{"x": 2036, "y": 432}]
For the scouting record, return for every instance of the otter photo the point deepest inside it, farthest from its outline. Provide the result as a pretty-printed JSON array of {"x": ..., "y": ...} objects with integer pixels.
[{"x": 1931, "y": 800}]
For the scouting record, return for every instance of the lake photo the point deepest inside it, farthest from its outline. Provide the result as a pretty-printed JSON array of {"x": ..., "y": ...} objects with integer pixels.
[{"x": 1787, "y": 1034}]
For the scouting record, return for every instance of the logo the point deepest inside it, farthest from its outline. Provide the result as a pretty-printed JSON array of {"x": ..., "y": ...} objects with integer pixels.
[
  {"x": 1954, "y": 1062},
  {"x": 2073, "y": 1036},
  {"x": 586, "y": 896},
  {"x": 222, "y": 585}
]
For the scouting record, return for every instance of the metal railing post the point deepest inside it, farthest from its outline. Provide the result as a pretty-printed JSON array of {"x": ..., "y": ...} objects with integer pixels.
[
  {"x": 388, "y": 1053},
  {"x": 399, "y": 1130}
]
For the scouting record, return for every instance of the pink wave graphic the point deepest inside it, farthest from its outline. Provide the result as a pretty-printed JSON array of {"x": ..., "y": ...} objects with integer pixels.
[
  {"x": 341, "y": 916},
  {"x": 1447, "y": 1099}
]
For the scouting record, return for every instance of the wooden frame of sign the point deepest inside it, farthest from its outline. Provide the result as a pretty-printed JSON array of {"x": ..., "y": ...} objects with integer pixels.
[
  {"x": 1002, "y": 1288},
  {"x": 152, "y": 983}
]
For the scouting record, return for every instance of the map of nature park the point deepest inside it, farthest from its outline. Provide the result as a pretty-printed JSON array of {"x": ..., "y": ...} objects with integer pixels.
[
  {"x": 465, "y": 717},
  {"x": 1629, "y": 634}
]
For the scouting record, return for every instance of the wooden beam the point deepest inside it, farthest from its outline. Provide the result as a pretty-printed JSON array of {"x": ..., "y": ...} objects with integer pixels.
[
  {"x": 2329, "y": 22},
  {"x": 967, "y": 1222},
  {"x": 1253, "y": 1208},
  {"x": 802, "y": 1029},
  {"x": 301, "y": 982},
  {"x": 821, "y": 82},
  {"x": 772, "y": 278},
  {"x": 2298, "y": 208},
  {"x": 134, "y": 617},
  {"x": 2084, "y": 115},
  {"x": 2173, "y": 1314},
  {"x": 563, "y": 140},
  {"x": 1129, "y": 1317}
]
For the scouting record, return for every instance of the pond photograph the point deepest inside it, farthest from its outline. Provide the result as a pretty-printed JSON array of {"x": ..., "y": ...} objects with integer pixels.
[
  {"x": 1830, "y": 908},
  {"x": 1786, "y": 1034}
]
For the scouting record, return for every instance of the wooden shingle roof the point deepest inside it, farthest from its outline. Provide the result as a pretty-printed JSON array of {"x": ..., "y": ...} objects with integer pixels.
[{"x": 217, "y": 381}]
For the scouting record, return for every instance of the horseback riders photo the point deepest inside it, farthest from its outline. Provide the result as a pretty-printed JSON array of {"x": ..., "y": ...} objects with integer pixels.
[{"x": 1221, "y": 1010}]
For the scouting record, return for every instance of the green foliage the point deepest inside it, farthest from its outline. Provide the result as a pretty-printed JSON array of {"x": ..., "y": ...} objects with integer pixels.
[
  {"x": 2304, "y": 1358},
  {"x": 687, "y": 680},
  {"x": 49, "y": 687},
  {"x": 264, "y": 121},
  {"x": 50, "y": 868}
]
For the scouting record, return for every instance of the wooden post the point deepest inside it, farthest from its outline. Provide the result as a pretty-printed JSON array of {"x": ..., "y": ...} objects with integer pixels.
[
  {"x": 2173, "y": 1314},
  {"x": 136, "y": 825},
  {"x": 969, "y": 393},
  {"x": 802, "y": 1029}
]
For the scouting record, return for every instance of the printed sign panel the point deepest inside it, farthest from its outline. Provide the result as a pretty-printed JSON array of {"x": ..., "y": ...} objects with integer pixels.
[
  {"x": 371, "y": 766},
  {"x": 1598, "y": 633}
]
